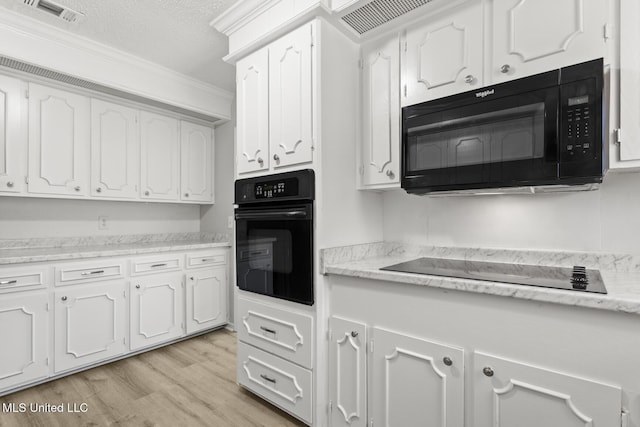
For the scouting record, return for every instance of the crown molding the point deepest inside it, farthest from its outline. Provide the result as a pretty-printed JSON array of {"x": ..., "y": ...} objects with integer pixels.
[{"x": 240, "y": 14}]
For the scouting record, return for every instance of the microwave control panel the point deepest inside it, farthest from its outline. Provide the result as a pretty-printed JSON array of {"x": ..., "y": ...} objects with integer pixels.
[{"x": 578, "y": 113}]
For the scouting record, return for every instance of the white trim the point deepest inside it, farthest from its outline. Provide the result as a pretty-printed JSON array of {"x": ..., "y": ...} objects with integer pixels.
[{"x": 240, "y": 14}]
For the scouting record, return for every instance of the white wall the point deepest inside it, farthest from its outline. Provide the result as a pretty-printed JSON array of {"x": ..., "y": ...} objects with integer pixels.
[
  {"x": 603, "y": 220},
  {"x": 34, "y": 217}
]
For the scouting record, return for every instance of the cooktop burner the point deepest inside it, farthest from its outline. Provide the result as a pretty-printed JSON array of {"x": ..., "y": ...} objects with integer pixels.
[{"x": 577, "y": 278}]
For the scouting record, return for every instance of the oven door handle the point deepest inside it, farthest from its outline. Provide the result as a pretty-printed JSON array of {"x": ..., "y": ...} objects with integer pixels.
[{"x": 281, "y": 214}]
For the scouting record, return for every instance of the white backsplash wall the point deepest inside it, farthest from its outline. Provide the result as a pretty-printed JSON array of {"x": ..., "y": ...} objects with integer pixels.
[
  {"x": 22, "y": 217},
  {"x": 604, "y": 220}
]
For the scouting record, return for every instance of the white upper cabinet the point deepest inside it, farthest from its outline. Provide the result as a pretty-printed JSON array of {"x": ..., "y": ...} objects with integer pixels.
[
  {"x": 444, "y": 55},
  {"x": 12, "y": 137},
  {"x": 290, "y": 98},
  {"x": 59, "y": 132},
  {"x": 115, "y": 150},
  {"x": 533, "y": 36},
  {"x": 252, "y": 75},
  {"x": 160, "y": 153},
  {"x": 380, "y": 150},
  {"x": 629, "y": 84},
  {"x": 196, "y": 160}
]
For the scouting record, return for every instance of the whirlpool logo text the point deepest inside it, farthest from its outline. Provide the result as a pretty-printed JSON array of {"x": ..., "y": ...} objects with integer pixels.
[{"x": 485, "y": 93}]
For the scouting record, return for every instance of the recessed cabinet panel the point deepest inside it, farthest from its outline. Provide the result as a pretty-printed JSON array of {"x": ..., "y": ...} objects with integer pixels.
[
  {"x": 196, "y": 159},
  {"x": 115, "y": 158},
  {"x": 413, "y": 380},
  {"x": 90, "y": 324},
  {"x": 380, "y": 162},
  {"x": 156, "y": 309},
  {"x": 206, "y": 299},
  {"x": 348, "y": 373},
  {"x": 252, "y": 75},
  {"x": 13, "y": 140},
  {"x": 443, "y": 56},
  {"x": 24, "y": 326},
  {"x": 160, "y": 152},
  {"x": 59, "y": 132},
  {"x": 527, "y": 39},
  {"x": 513, "y": 394},
  {"x": 290, "y": 98}
]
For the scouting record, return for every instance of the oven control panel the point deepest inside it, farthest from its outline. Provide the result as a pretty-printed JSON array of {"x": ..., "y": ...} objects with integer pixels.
[
  {"x": 281, "y": 188},
  {"x": 287, "y": 186}
]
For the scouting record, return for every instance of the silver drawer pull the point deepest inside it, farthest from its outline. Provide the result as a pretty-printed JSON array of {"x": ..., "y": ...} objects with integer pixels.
[
  {"x": 206, "y": 259},
  {"x": 159, "y": 265},
  {"x": 8, "y": 282},
  {"x": 89, "y": 273},
  {"x": 271, "y": 331},
  {"x": 267, "y": 378}
]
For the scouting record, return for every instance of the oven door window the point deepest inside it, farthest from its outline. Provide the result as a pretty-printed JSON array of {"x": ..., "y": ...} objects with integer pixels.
[
  {"x": 506, "y": 140},
  {"x": 274, "y": 252}
]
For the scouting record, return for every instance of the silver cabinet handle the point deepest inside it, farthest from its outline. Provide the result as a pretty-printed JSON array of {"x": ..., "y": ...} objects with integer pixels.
[
  {"x": 469, "y": 79},
  {"x": 159, "y": 265},
  {"x": 99, "y": 190},
  {"x": 77, "y": 188},
  {"x": 191, "y": 278},
  {"x": 186, "y": 194},
  {"x": 8, "y": 282},
  {"x": 505, "y": 68},
  {"x": 137, "y": 286},
  {"x": 88, "y": 273},
  {"x": 447, "y": 361},
  {"x": 10, "y": 184},
  {"x": 146, "y": 193},
  {"x": 354, "y": 334},
  {"x": 267, "y": 378},
  {"x": 271, "y": 331},
  {"x": 260, "y": 160},
  {"x": 487, "y": 371},
  {"x": 390, "y": 173},
  {"x": 64, "y": 298},
  {"x": 205, "y": 259},
  {"x": 276, "y": 157}
]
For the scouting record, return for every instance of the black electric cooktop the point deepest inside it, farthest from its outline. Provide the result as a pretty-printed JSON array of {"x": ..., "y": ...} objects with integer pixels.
[{"x": 577, "y": 278}]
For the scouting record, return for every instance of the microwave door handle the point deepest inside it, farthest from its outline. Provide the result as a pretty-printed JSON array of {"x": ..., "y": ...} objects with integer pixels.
[{"x": 281, "y": 214}]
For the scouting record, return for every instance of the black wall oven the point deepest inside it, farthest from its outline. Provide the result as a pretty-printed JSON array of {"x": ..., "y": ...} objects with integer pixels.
[
  {"x": 540, "y": 130},
  {"x": 274, "y": 235}
]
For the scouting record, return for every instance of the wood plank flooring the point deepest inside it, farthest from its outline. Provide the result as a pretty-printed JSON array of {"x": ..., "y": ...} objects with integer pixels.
[{"x": 190, "y": 383}]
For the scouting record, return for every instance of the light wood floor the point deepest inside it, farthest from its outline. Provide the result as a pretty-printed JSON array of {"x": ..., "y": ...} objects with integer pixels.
[{"x": 191, "y": 383}]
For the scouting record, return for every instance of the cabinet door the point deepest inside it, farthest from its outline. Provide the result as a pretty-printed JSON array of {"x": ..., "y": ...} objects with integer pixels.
[
  {"x": 115, "y": 150},
  {"x": 160, "y": 152},
  {"x": 206, "y": 299},
  {"x": 380, "y": 162},
  {"x": 443, "y": 56},
  {"x": 156, "y": 309},
  {"x": 629, "y": 81},
  {"x": 348, "y": 373},
  {"x": 415, "y": 379},
  {"x": 59, "y": 136},
  {"x": 24, "y": 331},
  {"x": 90, "y": 324},
  {"x": 252, "y": 80},
  {"x": 533, "y": 36},
  {"x": 196, "y": 162},
  {"x": 13, "y": 139},
  {"x": 513, "y": 394},
  {"x": 290, "y": 98}
]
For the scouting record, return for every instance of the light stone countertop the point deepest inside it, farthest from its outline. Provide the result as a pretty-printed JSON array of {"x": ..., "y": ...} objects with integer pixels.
[
  {"x": 620, "y": 273},
  {"x": 73, "y": 248}
]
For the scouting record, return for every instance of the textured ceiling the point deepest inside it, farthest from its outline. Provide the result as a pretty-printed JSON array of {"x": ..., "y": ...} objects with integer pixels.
[{"x": 172, "y": 33}]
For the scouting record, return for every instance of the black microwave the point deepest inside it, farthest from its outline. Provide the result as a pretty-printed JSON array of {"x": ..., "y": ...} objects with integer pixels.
[{"x": 539, "y": 131}]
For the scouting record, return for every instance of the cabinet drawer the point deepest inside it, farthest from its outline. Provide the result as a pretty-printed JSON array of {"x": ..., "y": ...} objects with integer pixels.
[
  {"x": 168, "y": 262},
  {"x": 70, "y": 274},
  {"x": 278, "y": 331},
  {"x": 205, "y": 259},
  {"x": 284, "y": 384},
  {"x": 27, "y": 278}
]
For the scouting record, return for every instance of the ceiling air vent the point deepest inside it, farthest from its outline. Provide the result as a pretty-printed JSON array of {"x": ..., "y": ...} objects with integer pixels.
[
  {"x": 378, "y": 12},
  {"x": 62, "y": 12}
]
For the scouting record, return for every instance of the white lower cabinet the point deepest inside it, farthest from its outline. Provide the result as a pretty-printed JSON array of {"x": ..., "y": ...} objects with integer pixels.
[
  {"x": 515, "y": 394},
  {"x": 24, "y": 327},
  {"x": 157, "y": 309},
  {"x": 206, "y": 292},
  {"x": 281, "y": 382},
  {"x": 90, "y": 324}
]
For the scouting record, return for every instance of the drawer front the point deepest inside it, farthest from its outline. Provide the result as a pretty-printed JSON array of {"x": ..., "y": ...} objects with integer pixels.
[
  {"x": 205, "y": 259},
  {"x": 284, "y": 333},
  {"x": 146, "y": 265},
  {"x": 71, "y": 274},
  {"x": 13, "y": 279},
  {"x": 284, "y": 384}
]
